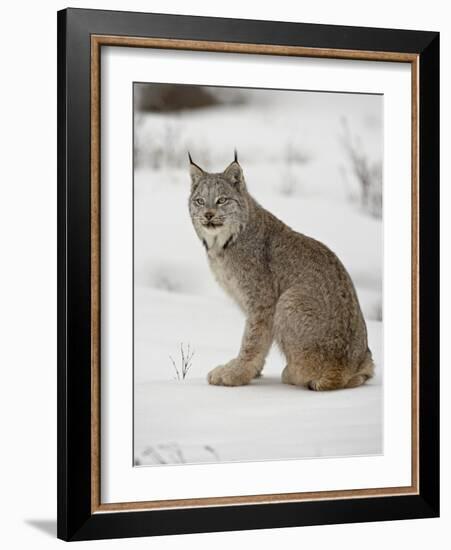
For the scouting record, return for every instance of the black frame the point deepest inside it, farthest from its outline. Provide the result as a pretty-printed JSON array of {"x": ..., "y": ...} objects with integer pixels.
[{"x": 75, "y": 520}]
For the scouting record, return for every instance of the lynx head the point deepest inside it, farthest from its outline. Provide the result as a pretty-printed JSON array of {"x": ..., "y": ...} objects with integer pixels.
[{"x": 218, "y": 202}]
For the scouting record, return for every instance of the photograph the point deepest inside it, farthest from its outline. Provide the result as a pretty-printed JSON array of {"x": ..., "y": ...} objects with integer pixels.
[
  {"x": 248, "y": 274},
  {"x": 257, "y": 274}
]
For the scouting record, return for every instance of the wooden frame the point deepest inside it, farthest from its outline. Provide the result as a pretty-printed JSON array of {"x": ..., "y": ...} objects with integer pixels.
[{"x": 81, "y": 34}]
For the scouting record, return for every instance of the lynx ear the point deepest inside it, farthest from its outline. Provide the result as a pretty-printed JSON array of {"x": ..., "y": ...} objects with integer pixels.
[
  {"x": 234, "y": 173},
  {"x": 195, "y": 171}
]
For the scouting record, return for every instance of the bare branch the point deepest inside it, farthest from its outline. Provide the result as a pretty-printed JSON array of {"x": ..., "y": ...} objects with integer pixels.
[{"x": 186, "y": 357}]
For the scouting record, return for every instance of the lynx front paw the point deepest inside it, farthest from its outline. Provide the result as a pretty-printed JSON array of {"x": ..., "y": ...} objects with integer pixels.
[{"x": 231, "y": 374}]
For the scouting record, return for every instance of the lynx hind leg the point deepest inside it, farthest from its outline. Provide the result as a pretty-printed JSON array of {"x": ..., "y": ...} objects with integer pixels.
[
  {"x": 314, "y": 373},
  {"x": 365, "y": 372},
  {"x": 333, "y": 377},
  {"x": 318, "y": 374},
  {"x": 336, "y": 376},
  {"x": 296, "y": 374}
]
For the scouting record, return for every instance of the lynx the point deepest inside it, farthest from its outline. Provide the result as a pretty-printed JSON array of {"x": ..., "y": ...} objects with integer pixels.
[{"x": 292, "y": 289}]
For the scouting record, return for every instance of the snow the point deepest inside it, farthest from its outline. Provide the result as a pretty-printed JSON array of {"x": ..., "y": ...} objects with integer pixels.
[
  {"x": 263, "y": 421},
  {"x": 177, "y": 302}
]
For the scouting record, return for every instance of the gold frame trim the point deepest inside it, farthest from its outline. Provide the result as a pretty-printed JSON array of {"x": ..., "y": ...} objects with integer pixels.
[{"x": 97, "y": 41}]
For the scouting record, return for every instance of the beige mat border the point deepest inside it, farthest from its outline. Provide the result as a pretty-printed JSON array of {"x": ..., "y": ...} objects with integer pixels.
[{"x": 97, "y": 41}]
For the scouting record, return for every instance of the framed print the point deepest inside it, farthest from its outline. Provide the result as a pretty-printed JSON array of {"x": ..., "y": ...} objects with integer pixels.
[{"x": 248, "y": 274}]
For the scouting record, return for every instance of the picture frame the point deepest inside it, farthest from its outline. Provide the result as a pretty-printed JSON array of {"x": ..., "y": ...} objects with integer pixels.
[{"x": 81, "y": 36}]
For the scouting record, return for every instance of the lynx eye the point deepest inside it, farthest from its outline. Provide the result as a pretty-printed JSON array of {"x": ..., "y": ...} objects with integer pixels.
[
  {"x": 222, "y": 200},
  {"x": 200, "y": 201}
]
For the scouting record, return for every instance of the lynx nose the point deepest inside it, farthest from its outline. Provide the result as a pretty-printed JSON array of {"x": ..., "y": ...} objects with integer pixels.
[{"x": 209, "y": 215}]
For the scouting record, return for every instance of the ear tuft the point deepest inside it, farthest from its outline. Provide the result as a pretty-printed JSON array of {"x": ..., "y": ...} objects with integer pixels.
[
  {"x": 234, "y": 173},
  {"x": 195, "y": 171}
]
